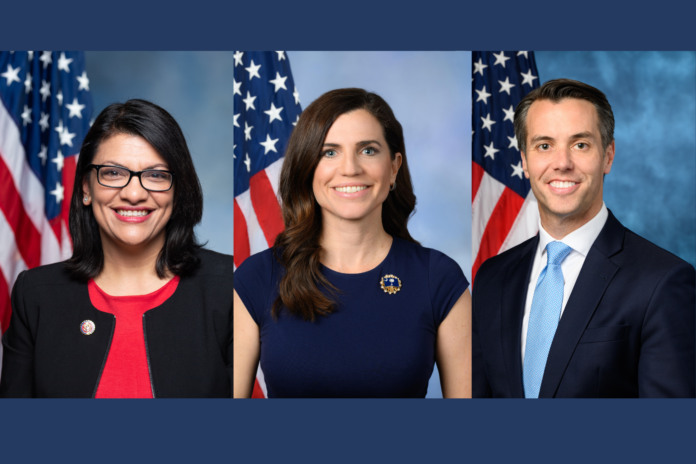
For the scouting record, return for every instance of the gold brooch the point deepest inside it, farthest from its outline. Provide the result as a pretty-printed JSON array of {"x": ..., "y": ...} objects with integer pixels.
[{"x": 390, "y": 284}]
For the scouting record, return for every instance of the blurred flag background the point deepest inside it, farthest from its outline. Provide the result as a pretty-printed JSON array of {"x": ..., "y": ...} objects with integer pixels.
[{"x": 45, "y": 112}]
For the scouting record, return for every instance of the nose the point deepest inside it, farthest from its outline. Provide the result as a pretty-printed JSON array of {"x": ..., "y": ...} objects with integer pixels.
[
  {"x": 563, "y": 161},
  {"x": 350, "y": 165},
  {"x": 134, "y": 191}
]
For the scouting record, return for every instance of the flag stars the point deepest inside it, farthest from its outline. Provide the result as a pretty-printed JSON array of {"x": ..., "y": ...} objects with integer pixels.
[
  {"x": 46, "y": 59},
  {"x": 281, "y": 55},
  {"x": 517, "y": 170},
  {"x": 506, "y": 86},
  {"x": 253, "y": 70},
  {"x": 45, "y": 90},
  {"x": 30, "y": 55},
  {"x": 64, "y": 63},
  {"x": 238, "y": 58},
  {"x": 269, "y": 144},
  {"x": 237, "y": 87},
  {"x": 249, "y": 101},
  {"x": 296, "y": 94},
  {"x": 523, "y": 53},
  {"x": 296, "y": 120},
  {"x": 279, "y": 82},
  {"x": 528, "y": 78},
  {"x": 236, "y": 124},
  {"x": 26, "y": 116},
  {"x": 479, "y": 67},
  {"x": 59, "y": 160},
  {"x": 500, "y": 59},
  {"x": 509, "y": 114},
  {"x": 12, "y": 74},
  {"x": 59, "y": 97},
  {"x": 274, "y": 113},
  {"x": 247, "y": 131},
  {"x": 488, "y": 122},
  {"x": 483, "y": 95},
  {"x": 27, "y": 84},
  {"x": 513, "y": 143},
  {"x": 75, "y": 109},
  {"x": 58, "y": 192},
  {"x": 84, "y": 82},
  {"x": 490, "y": 151},
  {"x": 247, "y": 161},
  {"x": 64, "y": 134},
  {"x": 43, "y": 154}
]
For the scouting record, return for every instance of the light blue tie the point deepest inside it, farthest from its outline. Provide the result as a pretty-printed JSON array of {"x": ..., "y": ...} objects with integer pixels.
[{"x": 544, "y": 317}]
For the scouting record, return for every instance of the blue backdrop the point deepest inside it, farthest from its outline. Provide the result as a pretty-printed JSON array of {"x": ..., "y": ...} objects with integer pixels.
[{"x": 651, "y": 186}]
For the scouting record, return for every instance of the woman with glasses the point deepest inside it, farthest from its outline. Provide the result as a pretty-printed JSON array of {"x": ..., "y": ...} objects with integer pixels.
[{"x": 140, "y": 310}]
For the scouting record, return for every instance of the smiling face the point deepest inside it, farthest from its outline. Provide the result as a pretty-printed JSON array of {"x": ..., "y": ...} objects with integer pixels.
[
  {"x": 355, "y": 172},
  {"x": 130, "y": 216},
  {"x": 565, "y": 162}
]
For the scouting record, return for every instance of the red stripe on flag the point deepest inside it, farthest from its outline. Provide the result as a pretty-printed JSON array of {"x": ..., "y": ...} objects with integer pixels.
[
  {"x": 477, "y": 173},
  {"x": 5, "y": 306},
  {"x": 257, "y": 392},
  {"x": 266, "y": 206},
  {"x": 498, "y": 227},
  {"x": 242, "y": 249},
  {"x": 28, "y": 239},
  {"x": 70, "y": 163}
]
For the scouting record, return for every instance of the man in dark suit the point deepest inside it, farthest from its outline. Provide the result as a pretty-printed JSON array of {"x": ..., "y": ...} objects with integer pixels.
[{"x": 586, "y": 308}]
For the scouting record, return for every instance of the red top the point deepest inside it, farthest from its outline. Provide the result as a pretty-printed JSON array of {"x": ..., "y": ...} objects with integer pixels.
[{"x": 126, "y": 374}]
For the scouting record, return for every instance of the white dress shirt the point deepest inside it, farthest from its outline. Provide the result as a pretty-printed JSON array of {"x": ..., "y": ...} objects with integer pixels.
[{"x": 580, "y": 241}]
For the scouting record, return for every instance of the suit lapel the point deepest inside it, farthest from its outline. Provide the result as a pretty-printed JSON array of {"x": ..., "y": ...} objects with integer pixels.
[
  {"x": 593, "y": 280},
  {"x": 513, "y": 300}
]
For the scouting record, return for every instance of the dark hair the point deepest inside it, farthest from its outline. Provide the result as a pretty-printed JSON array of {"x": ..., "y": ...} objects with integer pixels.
[
  {"x": 298, "y": 244},
  {"x": 557, "y": 90},
  {"x": 151, "y": 122}
]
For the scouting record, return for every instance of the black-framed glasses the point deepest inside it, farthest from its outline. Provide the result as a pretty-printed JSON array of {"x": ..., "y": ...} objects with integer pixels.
[{"x": 152, "y": 180}]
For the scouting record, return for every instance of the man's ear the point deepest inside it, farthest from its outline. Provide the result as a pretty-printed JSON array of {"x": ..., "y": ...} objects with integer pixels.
[{"x": 524, "y": 165}]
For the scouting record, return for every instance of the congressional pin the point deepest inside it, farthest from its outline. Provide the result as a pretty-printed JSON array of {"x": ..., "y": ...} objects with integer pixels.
[
  {"x": 87, "y": 327},
  {"x": 390, "y": 284}
]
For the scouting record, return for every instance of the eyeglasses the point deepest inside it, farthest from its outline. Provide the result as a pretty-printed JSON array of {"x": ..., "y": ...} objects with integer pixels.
[{"x": 152, "y": 180}]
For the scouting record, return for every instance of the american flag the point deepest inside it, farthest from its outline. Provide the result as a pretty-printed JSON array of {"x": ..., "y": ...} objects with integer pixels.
[
  {"x": 44, "y": 116},
  {"x": 266, "y": 108},
  {"x": 503, "y": 206}
]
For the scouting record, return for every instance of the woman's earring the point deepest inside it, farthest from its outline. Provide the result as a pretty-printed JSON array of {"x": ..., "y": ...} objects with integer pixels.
[
  {"x": 86, "y": 199},
  {"x": 392, "y": 187}
]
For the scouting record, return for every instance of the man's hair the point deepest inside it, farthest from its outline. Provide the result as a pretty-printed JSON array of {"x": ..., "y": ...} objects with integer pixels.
[{"x": 560, "y": 89}]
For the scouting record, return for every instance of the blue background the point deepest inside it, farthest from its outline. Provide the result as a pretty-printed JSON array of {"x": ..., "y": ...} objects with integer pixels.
[
  {"x": 651, "y": 187},
  {"x": 349, "y": 431}
]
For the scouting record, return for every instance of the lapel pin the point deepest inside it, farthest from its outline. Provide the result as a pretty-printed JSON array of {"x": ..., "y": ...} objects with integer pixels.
[
  {"x": 390, "y": 284},
  {"x": 87, "y": 327}
]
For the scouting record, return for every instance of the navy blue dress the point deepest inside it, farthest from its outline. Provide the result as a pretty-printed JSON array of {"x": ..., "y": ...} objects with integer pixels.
[{"x": 374, "y": 345}]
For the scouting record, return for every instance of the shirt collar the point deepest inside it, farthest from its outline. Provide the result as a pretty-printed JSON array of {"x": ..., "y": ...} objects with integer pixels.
[{"x": 580, "y": 240}]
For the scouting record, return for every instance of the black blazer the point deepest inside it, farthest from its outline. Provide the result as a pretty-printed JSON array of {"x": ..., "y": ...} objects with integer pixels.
[
  {"x": 628, "y": 328},
  {"x": 188, "y": 338}
]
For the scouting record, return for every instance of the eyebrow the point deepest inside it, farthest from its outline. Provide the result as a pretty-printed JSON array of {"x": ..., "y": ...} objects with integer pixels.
[
  {"x": 113, "y": 163},
  {"x": 546, "y": 138},
  {"x": 359, "y": 144}
]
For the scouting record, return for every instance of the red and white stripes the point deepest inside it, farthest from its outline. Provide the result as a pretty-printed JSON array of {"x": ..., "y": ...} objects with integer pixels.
[{"x": 501, "y": 218}]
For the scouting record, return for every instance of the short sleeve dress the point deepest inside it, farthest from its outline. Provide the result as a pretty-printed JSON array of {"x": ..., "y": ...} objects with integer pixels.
[{"x": 376, "y": 344}]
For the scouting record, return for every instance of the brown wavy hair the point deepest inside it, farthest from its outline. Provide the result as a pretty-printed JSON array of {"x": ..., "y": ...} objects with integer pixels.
[{"x": 297, "y": 247}]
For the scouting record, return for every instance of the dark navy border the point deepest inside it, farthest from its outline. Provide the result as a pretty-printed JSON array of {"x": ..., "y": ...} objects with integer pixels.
[
  {"x": 348, "y": 430},
  {"x": 348, "y": 25}
]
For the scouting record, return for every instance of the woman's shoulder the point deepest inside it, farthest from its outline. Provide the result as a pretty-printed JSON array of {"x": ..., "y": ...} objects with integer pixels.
[
  {"x": 214, "y": 263},
  {"x": 263, "y": 262},
  {"x": 437, "y": 262},
  {"x": 48, "y": 274}
]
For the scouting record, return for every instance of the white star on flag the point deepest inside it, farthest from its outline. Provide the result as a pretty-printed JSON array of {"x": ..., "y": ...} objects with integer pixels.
[
  {"x": 517, "y": 170},
  {"x": 513, "y": 143},
  {"x": 12, "y": 74},
  {"x": 490, "y": 151},
  {"x": 279, "y": 82},
  {"x": 274, "y": 113},
  {"x": 58, "y": 192},
  {"x": 500, "y": 58},
  {"x": 237, "y": 87},
  {"x": 506, "y": 86},
  {"x": 84, "y": 82},
  {"x": 249, "y": 101},
  {"x": 46, "y": 59},
  {"x": 479, "y": 67},
  {"x": 64, "y": 63},
  {"x": 247, "y": 131},
  {"x": 28, "y": 84},
  {"x": 26, "y": 115},
  {"x": 59, "y": 160},
  {"x": 238, "y": 58},
  {"x": 281, "y": 55},
  {"x": 483, "y": 95},
  {"x": 488, "y": 122},
  {"x": 528, "y": 78},
  {"x": 269, "y": 144},
  {"x": 509, "y": 114},
  {"x": 75, "y": 109},
  {"x": 253, "y": 70}
]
